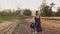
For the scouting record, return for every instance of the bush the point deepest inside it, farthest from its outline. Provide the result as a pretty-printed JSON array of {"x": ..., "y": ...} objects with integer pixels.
[{"x": 27, "y": 12}]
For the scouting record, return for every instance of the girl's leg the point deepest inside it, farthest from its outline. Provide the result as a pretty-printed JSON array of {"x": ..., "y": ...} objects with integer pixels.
[{"x": 33, "y": 30}]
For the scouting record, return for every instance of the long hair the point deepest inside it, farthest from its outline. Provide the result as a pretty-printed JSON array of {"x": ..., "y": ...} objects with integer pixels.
[{"x": 36, "y": 12}]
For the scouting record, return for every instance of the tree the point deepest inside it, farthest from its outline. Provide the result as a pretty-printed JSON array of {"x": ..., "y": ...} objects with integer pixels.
[
  {"x": 18, "y": 12},
  {"x": 42, "y": 7},
  {"x": 4, "y": 13},
  {"x": 52, "y": 4},
  {"x": 27, "y": 12},
  {"x": 47, "y": 11},
  {"x": 58, "y": 12}
]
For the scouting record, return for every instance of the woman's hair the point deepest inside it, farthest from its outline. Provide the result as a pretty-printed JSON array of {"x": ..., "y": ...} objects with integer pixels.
[{"x": 36, "y": 12}]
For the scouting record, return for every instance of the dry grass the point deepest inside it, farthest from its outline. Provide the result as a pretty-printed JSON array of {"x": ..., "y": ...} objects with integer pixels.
[
  {"x": 51, "y": 25},
  {"x": 51, "y": 18}
]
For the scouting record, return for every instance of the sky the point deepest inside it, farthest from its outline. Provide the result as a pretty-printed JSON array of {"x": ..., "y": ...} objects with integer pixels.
[{"x": 26, "y": 4}]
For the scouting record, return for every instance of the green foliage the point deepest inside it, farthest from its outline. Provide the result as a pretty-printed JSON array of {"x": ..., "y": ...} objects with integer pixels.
[
  {"x": 18, "y": 12},
  {"x": 42, "y": 14},
  {"x": 58, "y": 12},
  {"x": 7, "y": 15},
  {"x": 24, "y": 17},
  {"x": 52, "y": 4},
  {"x": 10, "y": 13},
  {"x": 47, "y": 11},
  {"x": 27, "y": 12},
  {"x": 54, "y": 14},
  {"x": 6, "y": 18}
]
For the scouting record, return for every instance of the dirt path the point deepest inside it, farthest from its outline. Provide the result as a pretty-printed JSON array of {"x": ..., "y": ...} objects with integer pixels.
[
  {"x": 47, "y": 26},
  {"x": 22, "y": 28}
]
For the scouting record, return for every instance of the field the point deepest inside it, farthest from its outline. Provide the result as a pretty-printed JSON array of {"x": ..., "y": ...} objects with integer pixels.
[
  {"x": 7, "y": 18},
  {"x": 50, "y": 25},
  {"x": 51, "y": 18}
]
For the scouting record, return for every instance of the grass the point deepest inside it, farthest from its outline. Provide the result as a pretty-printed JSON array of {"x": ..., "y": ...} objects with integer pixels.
[
  {"x": 24, "y": 17},
  {"x": 6, "y": 18},
  {"x": 51, "y": 18}
]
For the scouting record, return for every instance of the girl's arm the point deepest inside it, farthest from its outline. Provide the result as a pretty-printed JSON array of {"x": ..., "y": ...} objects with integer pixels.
[
  {"x": 33, "y": 19},
  {"x": 40, "y": 19}
]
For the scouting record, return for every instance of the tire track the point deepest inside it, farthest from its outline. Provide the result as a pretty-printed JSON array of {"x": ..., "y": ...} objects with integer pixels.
[{"x": 22, "y": 28}]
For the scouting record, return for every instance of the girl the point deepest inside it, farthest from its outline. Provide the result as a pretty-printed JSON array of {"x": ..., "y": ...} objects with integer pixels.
[{"x": 37, "y": 20}]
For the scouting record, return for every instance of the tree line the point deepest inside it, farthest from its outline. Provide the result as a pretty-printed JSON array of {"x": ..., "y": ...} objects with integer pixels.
[
  {"x": 48, "y": 12},
  {"x": 45, "y": 11},
  {"x": 9, "y": 12}
]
